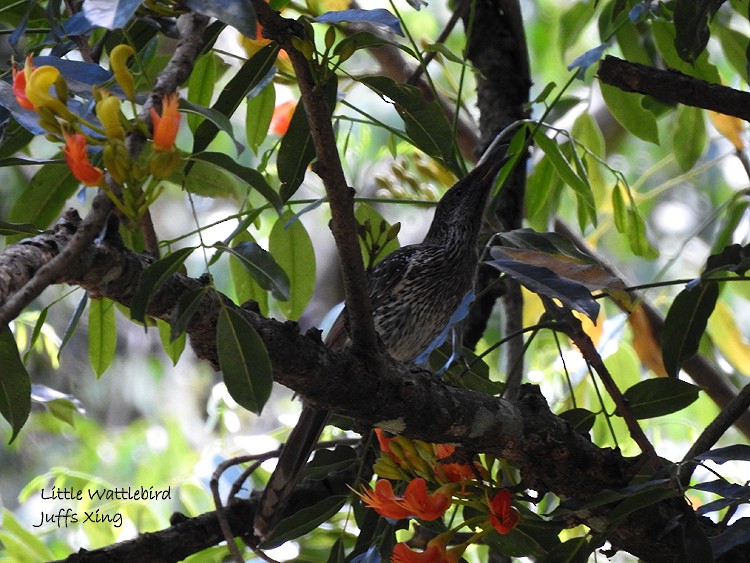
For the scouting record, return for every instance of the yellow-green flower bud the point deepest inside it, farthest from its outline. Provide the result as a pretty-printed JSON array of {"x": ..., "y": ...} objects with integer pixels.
[
  {"x": 117, "y": 159},
  {"x": 108, "y": 112},
  {"x": 118, "y": 60},
  {"x": 37, "y": 90}
]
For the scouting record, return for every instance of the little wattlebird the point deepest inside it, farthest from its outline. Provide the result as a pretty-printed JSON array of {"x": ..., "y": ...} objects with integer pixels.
[{"x": 414, "y": 292}]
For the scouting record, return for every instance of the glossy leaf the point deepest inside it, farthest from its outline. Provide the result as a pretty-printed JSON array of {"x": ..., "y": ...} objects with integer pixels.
[
  {"x": 237, "y": 13},
  {"x": 218, "y": 119},
  {"x": 70, "y": 328},
  {"x": 15, "y": 385},
  {"x": 258, "y": 117},
  {"x": 665, "y": 39},
  {"x": 732, "y": 258},
  {"x": 735, "y": 44},
  {"x": 293, "y": 250},
  {"x": 661, "y": 396},
  {"x": 379, "y": 16},
  {"x": 44, "y": 196},
  {"x": 184, "y": 310},
  {"x": 249, "y": 176},
  {"x": 568, "y": 174},
  {"x": 304, "y": 521},
  {"x": 685, "y": 323},
  {"x": 245, "y": 287},
  {"x": 582, "y": 420},
  {"x": 691, "y": 19},
  {"x": 102, "y": 335},
  {"x": 201, "y": 87},
  {"x": 206, "y": 178},
  {"x": 153, "y": 278},
  {"x": 627, "y": 108},
  {"x": 689, "y": 136},
  {"x": 244, "y": 361},
  {"x": 297, "y": 150},
  {"x": 325, "y": 462},
  {"x": 739, "y": 452},
  {"x": 425, "y": 122},
  {"x": 173, "y": 348},
  {"x": 262, "y": 266},
  {"x": 252, "y": 73},
  {"x": 543, "y": 281}
]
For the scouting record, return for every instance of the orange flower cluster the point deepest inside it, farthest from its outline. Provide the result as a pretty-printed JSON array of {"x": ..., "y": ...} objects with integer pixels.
[
  {"x": 44, "y": 91},
  {"x": 415, "y": 501},
  {"x": 466, "y": 482}
]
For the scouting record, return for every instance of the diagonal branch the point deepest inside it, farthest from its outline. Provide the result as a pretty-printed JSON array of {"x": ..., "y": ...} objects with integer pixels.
[{"x": 328, "y": 166}]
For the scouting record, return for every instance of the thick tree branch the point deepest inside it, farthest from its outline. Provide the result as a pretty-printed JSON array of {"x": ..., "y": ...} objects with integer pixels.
[
  {"x": 675, "y": 87},
  {"x": 550, "y": 455}
]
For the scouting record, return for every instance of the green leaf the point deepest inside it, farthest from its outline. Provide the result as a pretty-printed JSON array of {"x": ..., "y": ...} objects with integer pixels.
[
  {"x": 70, "y": 328},
  {"x": 689, "y": 136},
  {"x": 619, "y": 208},
  {"x": 542, "y": 194},
  {"x": 44, "y": 196},
  {"x": 582, "y": 420},
  {"x": 639, "y": 242},
  {"x": 207, "y": 179},
  {"x": 627, "y": 108},
  {"x": 685, "y": 324},
  {"x": 184, "y": 310},
  {"x": 258, "y": 117},
  {"x": 172, "y": 347},
  {"x": 659, "y": 397},
  {"x": 201, "y": 86},
  {"x": 292, "y": 248},
  {"x": 21, "y": 543},
  {"x": 586, "y": 131},
  {"x": 665, "y": 38},
  {"x": 10, "y": 229},
  {"x": 691, "y": 25},
  {"x": 734, "y": 44},
  {"x": 325, "y": 462},
  {"x": 244, "y": 361},
  {"x": 567, "y": 174},
  {"x": 226, "y": 163},
  {"x": 304, "y": 521},
  {"x": 153, "y": 277},
  {"x": 297, "y": 150},
  {"x": 250, "y": 75},
  {"x": 216, "y": 118},
  {"x": 245, "y": 287},
  {"x": 102, "y": 335},
  {"x": 424, "y": 121},
  {"x": 15, "y": 385},
  {"x": 262, "y": 266}
]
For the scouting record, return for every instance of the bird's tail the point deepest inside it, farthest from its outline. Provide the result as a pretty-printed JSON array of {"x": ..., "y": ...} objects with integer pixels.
[{"x": 291, "y": 462}]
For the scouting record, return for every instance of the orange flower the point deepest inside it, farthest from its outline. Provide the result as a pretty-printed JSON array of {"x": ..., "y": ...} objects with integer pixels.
[
  {"x": 384, "y": 501},
  {"x": 451, "y": 472},
  {"x": 403, "y": 554},
  {"x": 19, "y": 86},
  {"x": 282, "y": 117},
  {"x": 78, "y": 160},
  {"x": 503, "y": 515},
  {"x": 166, "y": 124},
  {"x": 384, "y": 441},
  {"x": 422, "y": 505}
]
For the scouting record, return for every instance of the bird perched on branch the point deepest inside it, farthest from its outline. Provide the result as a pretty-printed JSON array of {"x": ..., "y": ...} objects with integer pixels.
[{"x": 414, "y": 292}]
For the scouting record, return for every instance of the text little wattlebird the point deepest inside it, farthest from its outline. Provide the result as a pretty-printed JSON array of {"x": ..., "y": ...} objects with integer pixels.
[{"x": 414, "y": 292}]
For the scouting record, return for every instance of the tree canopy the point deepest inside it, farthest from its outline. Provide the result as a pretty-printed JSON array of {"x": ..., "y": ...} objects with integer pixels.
[{"x": 222, "y": 174}]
